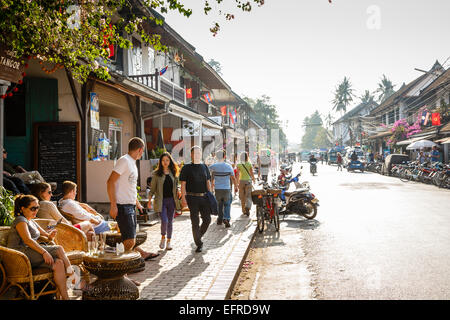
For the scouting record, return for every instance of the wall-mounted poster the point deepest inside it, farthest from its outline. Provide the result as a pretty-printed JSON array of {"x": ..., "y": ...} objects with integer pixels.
[{"x": 95, "y": 114}]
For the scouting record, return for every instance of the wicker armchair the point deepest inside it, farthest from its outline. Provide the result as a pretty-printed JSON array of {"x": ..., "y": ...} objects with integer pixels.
[{"x": 18, "y": 272}]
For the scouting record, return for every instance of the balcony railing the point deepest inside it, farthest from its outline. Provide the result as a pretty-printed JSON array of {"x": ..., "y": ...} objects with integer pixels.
[{"x": 162, "y": 85}]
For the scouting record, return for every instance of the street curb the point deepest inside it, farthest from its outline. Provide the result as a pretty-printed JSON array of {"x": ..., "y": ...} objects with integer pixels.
[
  {"x": 236, "y": 276},
  {"x": 221, "y": 288}
]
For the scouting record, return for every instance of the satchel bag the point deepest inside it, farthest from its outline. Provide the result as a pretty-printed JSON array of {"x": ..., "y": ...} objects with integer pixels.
[{"x": 212, "y": 200}]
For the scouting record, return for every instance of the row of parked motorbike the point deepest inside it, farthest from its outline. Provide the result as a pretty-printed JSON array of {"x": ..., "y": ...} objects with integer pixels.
[
  {"x": 435, "y": 173},
  {"x": 428, "y": 172}
]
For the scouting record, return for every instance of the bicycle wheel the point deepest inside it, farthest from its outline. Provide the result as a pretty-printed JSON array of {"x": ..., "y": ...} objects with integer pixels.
[
  {"x": 260, "y": 218},
  {"x": 405, "y": 176},
  {"x": 276, "y": 218}
]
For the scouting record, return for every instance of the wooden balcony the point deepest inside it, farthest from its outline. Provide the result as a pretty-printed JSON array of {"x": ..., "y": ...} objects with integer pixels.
[{"x": 162, "y": 85}]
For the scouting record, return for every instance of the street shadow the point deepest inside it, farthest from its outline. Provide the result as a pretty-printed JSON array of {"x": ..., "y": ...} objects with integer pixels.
[
  {"x": 268, "y": 238},
  {"x": 191, "y": 267},
  {"x": 151, "y": 268},
  {"x": 300, "y": 222}
]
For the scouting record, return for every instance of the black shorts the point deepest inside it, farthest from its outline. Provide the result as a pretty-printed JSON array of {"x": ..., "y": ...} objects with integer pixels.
[{"x": 126, "y": 220}]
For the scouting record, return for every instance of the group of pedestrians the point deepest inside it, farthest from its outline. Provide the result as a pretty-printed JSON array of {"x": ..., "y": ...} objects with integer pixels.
[
  {"x": 172, "y": 188},
  {"x": 201, "y": 188}
]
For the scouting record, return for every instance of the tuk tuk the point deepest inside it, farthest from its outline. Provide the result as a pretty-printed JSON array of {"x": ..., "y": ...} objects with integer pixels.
[{"x": 332, "y": 157}]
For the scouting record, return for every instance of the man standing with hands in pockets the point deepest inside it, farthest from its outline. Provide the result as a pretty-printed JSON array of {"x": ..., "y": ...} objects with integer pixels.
[
  {"x": 122, "y": 194},
  {"x": 195, "y": 181}
]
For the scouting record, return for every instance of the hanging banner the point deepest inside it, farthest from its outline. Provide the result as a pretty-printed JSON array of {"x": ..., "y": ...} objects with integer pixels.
[{"x": 95, "y": 114}]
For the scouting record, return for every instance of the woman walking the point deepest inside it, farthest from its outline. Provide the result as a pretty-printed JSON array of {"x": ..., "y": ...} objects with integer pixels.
[
  {"x": 164, "y": 187},
  {"x": 24, "y": 235},
  {"x": 339, "y": 161},
  {"x": 245, "y": 176}
]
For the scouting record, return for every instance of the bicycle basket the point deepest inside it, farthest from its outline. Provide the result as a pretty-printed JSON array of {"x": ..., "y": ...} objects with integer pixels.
[{"x": 255, "y": 197}]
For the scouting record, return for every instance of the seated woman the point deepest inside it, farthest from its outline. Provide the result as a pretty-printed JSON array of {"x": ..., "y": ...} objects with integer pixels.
[
  {"x": 80, "y": 211},
  {"x": 48, "y": 210},
  {"x": 24, "y": 235}
]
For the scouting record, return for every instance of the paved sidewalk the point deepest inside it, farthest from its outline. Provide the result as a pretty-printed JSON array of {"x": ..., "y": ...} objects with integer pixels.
[{"x": 184, "y": 274}]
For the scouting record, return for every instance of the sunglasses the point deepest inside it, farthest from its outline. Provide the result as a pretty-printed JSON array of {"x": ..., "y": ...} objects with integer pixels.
[{"x": 34, "y": 208}]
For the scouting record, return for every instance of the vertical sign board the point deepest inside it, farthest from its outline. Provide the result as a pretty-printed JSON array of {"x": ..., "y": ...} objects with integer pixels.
[
  {"x": 95, "y": 115},
  {"x": 57, "y": 152}
]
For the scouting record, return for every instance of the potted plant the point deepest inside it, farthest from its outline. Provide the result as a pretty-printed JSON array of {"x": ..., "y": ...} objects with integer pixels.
[{"x": 6, "y": 207}]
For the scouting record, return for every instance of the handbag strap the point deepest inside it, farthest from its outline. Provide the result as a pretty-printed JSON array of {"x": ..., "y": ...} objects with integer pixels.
[{"x": 243, "y": 164}]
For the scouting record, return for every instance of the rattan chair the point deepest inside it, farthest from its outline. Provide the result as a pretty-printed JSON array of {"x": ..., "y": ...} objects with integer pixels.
[
  {"x": 73, "y": 240},
  {"x": 18, "y": 272}
]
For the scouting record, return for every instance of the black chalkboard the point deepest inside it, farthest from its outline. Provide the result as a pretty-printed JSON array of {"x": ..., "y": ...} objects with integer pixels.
[{"x": 57, "y": 150}]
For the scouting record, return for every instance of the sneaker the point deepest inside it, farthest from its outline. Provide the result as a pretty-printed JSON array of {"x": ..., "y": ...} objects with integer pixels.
[
  {"x": 199, "y": 248},
  {"x": 162, "y": 244},
  {"x": 227, "y": 223},
  {"x": 219, "y": 222},
  {"x": 168, "y": 246}
]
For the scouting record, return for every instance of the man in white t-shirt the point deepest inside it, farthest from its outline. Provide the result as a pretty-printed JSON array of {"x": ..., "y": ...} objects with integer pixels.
[{"x": 122, "y": 192}]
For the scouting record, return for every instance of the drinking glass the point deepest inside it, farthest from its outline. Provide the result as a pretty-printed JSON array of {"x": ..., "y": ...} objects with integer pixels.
[
  {"x": 101, "y": 243},
  {"x": 91, "y": 244}
]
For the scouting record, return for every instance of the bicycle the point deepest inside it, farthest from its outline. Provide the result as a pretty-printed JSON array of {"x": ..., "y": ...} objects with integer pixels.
[{"x": 267, "y": 207}]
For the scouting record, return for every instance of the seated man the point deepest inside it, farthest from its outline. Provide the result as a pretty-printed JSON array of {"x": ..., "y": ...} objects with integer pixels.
[{"x": 80, "y": 211}]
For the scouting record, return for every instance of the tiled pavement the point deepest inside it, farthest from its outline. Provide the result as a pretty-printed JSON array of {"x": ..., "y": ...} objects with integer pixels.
[{"x": 184, "y": 274}]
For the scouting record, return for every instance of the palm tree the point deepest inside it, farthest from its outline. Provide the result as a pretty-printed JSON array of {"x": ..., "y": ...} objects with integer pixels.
[
  {"x": 367, "y": 97},
  {"x": 329, "y": 119},
  {"x": 343, "y": 96},
  {"x": 385, "y": 89}
]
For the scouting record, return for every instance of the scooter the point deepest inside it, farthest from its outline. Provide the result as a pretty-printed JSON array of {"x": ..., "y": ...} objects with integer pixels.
[
  {"x": 313, "y": 167},
  {"x": 301, "y": 201}
]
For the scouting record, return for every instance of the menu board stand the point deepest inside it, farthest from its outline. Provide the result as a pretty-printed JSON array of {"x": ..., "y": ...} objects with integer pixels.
[{"x": 57, "y": 152}]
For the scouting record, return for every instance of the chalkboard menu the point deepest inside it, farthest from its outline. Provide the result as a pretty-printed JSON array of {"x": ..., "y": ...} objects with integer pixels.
[{"x": 57, "y": 150}]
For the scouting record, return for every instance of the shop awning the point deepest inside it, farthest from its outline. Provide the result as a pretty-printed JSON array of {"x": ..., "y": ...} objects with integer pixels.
[
  {"x": 409, "y": 141},
  {"x": 381, "y": 135},
  {"x": 184, "y": 113},
  {"x": 443, "y": 141},
  {"x": 210, "y": 124}
]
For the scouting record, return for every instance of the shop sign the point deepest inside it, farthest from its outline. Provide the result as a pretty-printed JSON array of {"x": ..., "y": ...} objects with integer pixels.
[
  {"x": 95, "y": 113},
  {"x": 11, "y": 68}
]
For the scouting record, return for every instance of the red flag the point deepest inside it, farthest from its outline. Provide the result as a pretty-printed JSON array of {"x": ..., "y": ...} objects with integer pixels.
[
  {"x": 436, "y": 119},
  {"x": 223, "y": 110},
  {"x": 189, "y": 93}
]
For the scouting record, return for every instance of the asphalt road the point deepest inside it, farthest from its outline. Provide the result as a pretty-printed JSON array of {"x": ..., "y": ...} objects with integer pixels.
[{"x": 375, "y": 237}]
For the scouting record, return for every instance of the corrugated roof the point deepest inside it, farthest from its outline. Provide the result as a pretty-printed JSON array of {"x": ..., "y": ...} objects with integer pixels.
[
  {"x": 354, "y": 111},
  {"x": 403, "y": 90}
]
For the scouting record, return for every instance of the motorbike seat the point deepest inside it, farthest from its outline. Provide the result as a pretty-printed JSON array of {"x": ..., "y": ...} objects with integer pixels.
[{"x": 288, "y": 194}]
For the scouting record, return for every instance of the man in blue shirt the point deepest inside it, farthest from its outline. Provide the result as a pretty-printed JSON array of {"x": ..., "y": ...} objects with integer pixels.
[
  {"x": 222, "y": 174},
  {"x": 435, "y": 154}
]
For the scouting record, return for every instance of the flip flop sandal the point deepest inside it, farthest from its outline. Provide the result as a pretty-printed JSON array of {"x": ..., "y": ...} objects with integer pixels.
[{"x": 151, "y": 256}]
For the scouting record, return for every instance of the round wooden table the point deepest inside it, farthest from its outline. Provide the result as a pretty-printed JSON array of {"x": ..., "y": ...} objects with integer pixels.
[{"x": 110, "y": 270}]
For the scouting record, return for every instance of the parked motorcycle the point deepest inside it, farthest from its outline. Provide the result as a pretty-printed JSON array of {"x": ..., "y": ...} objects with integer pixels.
[{"x": 300, "y": 201}]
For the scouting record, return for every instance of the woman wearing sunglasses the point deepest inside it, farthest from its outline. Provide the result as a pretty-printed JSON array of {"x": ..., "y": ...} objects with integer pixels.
[
  {"x": 24, "y": 235},
  {"x": 48, "y": 210}
]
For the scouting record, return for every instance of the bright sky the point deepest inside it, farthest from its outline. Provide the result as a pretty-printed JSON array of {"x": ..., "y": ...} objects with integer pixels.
[{"x": 297, "y": 51}]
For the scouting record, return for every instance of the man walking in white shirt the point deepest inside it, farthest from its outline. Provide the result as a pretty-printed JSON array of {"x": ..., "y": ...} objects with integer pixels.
[{"x": 122, "y": 194}]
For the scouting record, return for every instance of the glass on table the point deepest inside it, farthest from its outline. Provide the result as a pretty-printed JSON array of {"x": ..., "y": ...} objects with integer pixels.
[{"x": 101, "y": 243}]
